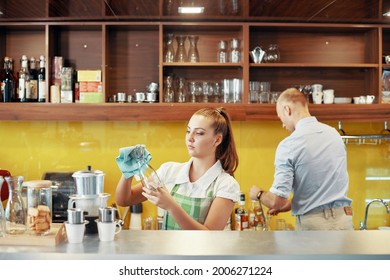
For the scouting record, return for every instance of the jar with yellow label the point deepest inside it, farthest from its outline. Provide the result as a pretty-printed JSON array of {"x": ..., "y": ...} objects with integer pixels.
[{"x": 39, "y": 206}]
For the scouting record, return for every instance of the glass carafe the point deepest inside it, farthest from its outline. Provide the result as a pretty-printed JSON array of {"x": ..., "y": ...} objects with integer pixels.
[
  {"x": 181, "y": 91},
  {"x": 15, "y": 219},
  {"x": 181, "y": 54},
  {"x": 272, "y": 54},
  {"x": 2, "y": 214},
  {"x": 169, "y": 51},
  {"x": 193, "y": 54},
  {"x": 169, "y": 93}
]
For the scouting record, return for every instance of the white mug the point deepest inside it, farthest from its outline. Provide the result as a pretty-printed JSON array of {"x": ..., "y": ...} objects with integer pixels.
[
  {"x": 362, "y": 99},
  {"x": 370, "y": 99},
  {"x": 75, "y": 232},
  {"x": 107, "y": 231},
  {"x": 356, "y": 100},
  {"x": 328, "y": 96}
]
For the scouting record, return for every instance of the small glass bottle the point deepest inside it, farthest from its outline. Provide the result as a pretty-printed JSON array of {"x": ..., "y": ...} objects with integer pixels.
[
  {"x": 39, "y": 206},
  {"x": 15, "y": 218},
  {"x": 193, "y": 54},
  {"x": 222, "y": 52},
  {"x": 235, "y": 53}
]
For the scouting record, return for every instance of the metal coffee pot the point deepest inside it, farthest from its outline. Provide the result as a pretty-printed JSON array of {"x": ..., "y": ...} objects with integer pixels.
[
  {"x": 257, "y": 55},
  {"x": 89, "y": 182},
  {"x": 107, "y": 214}
]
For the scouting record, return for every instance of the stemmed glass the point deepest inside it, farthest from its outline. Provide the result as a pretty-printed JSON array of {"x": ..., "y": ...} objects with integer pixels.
[
  {"x": 193, "y": 91},
  {"x": 206, "y": 91}
]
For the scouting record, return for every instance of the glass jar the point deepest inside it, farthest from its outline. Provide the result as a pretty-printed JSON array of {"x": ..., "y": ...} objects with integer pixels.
[
  {"x": 39, "y": 206},
  {"x": 272, "y": 54},
  {"x": 15, "y": 218},
  {"x": 193, "y": 54}
]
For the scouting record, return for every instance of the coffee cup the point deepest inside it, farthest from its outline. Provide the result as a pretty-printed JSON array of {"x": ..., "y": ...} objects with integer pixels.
[
  {"x": 75, "y": 232},
  {"x": 317, "y": 97},
  {"x": 151, "y": 97},
  {"x": 328, "y": 96},
  {"x": 356, "y": 100},
  {"x": 316, "y": 88},
  {"x": 362, "y": 99},
  {"x": 370, "y": 99},
  {"x": 139, "y": 96},
  {"x": 107, "y": 231}
]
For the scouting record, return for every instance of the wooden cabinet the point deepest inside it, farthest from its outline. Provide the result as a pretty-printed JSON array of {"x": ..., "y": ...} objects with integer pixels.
[{"x": 339, "y": 45}]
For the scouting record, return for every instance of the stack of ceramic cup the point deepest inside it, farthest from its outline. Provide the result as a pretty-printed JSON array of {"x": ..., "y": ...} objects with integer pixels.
[
  {"x": 317, "y": 93},
  {"x": 328, "y": 96}
]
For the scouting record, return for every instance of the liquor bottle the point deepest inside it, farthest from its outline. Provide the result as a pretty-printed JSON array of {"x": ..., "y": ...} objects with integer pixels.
[
  {"x": 241, "y": 215},
  {"x": 8, "y": 83},
  {"x": 257, "y": 219},
  {"x": 42, "y": 80},
  {"x": 32, "y": 93},
  {"x": 24, "y": 79}
]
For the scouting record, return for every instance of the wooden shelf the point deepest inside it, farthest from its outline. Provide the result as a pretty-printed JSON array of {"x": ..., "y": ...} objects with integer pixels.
[{"x": 180, "y": 112}]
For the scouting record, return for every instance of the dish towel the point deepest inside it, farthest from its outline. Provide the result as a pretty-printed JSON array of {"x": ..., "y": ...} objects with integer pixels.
[{"x": 128, "y": 160}]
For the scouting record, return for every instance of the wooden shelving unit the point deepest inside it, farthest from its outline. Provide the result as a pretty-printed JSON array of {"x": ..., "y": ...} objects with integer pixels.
[{"x": 125, "y": 39}]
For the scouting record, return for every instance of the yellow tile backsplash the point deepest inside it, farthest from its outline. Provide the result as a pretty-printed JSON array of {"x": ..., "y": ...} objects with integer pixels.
[{"x": 32, "y": 148}]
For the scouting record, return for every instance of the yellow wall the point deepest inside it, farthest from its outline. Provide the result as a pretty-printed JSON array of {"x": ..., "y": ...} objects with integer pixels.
[{"x": 32, "y": 148}]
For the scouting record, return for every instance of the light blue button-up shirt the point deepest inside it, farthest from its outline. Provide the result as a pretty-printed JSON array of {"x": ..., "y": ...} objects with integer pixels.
[{"x": 311, "y": 164}]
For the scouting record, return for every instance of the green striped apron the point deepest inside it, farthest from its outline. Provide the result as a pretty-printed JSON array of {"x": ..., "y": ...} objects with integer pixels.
[{"x": 196, "y": 207}]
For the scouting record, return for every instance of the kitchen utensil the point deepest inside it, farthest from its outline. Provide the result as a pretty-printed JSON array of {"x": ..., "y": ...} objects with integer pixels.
[
  {"x": 89, "y": 182},
  {"x": 107, "y": 214},
  {"x": 76, "y": 215}
]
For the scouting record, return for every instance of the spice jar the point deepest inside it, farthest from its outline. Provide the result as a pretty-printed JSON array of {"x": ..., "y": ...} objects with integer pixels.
[{"x": 39, "y": 206}]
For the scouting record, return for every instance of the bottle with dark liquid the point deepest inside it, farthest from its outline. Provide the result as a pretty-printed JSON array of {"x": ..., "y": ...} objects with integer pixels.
[
  {"x": 8, "y": 83},
  {"x": 32, "y": 93},
  {"x": 42, "y": 80}
]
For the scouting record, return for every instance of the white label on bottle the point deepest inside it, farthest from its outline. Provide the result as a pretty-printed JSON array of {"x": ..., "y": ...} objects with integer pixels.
[
  {"x": 41, "y": 90},
  {"x": 22, "y": 88}
]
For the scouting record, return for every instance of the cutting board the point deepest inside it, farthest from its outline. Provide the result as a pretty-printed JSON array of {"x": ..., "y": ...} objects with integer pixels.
[{"x": 56, "y": 236}]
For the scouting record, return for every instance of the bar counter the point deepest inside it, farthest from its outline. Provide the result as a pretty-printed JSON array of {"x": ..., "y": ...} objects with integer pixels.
[{"x": 370, "y": 244}]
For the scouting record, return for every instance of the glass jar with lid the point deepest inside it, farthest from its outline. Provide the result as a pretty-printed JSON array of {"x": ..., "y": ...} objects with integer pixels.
[{"x": 39, "y": 206}]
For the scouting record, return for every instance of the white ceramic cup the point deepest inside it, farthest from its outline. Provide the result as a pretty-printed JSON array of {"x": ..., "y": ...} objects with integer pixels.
[
  {"x": 316, "y": 88},
  {"x": 317, "y": 97},
  {"x": 356, "y": 100},
  {"x": 328, "y": 96},
  {"x": 75, "y": 232},
  {"x": 370, "y": 99},
  {"x": 362, "y": 99},
  {"x": 107, "y": 231}
]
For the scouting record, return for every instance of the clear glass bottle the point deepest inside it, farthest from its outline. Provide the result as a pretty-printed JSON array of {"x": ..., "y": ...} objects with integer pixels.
[
  {"x": 2, "y": 213},
  {"x": 24, "y": 79},
  {"x": 42, "y": 80},
  {"x": 222, "y": 52},
  {"x": 33, "y": 83},
  {"x": 169, "y": 50},
  {"x": 235, "y": 53},
  {"x": 39, "y": 206},
  {"x": 8, "y": 82},
  {"x": 15, "y": 219},
  {"x": 193, "y": 54},
  {"x": 169, "y": 93},
  {"x": 181, "y": 54}
]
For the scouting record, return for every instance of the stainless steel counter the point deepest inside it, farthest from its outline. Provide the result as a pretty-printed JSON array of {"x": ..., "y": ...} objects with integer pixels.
[{"x": 215, "y": 244}]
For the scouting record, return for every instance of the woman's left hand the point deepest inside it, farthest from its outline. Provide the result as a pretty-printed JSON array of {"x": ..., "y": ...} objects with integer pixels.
[{"x": 159, "y": 197}]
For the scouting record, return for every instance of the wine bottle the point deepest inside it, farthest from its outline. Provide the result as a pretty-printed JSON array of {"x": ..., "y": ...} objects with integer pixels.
[
  {"x": 8, "y": 83},
  {"x": 24, "y": 79},
  {"x": 42, "y": 80},
  {"x": 32, "y": 93}
]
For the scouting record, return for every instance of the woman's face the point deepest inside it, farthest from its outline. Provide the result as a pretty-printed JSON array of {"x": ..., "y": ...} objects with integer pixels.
[{"x": 201, "y": 140}]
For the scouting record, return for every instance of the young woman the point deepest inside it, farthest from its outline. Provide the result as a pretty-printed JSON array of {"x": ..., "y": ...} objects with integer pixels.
[{"x": 199, "y": 194}]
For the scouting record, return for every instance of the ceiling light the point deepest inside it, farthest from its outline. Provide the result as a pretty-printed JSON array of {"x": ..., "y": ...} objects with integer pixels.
[
  {"x": 191, "y": 10},
  {"x": 1, "y": 13},
  {"x": 387, "y": 14}
]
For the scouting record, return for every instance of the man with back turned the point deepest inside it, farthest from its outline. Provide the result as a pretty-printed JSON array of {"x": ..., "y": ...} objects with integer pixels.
[{"x": 311, "y": 164}]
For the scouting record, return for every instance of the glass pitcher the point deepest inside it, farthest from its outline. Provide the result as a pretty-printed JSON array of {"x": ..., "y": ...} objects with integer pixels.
[
  {"x": 193, "y": 54},
  {"x": 181, "y": 54},
  {"x": 2, "y": 214},
  {"x": 169, "y": 51},
  {"x": 15, "y": 217}
]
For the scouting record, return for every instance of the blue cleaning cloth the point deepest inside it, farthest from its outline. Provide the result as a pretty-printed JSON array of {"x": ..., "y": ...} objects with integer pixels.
[{"x": 128, "y": 160}]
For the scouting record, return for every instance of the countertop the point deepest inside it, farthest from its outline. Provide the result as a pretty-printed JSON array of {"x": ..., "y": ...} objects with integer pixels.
[{"x": 370, "y": 244}]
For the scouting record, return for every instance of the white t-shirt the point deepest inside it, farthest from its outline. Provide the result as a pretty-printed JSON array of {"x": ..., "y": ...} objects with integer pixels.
[{"x": 172, "y": 173}]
